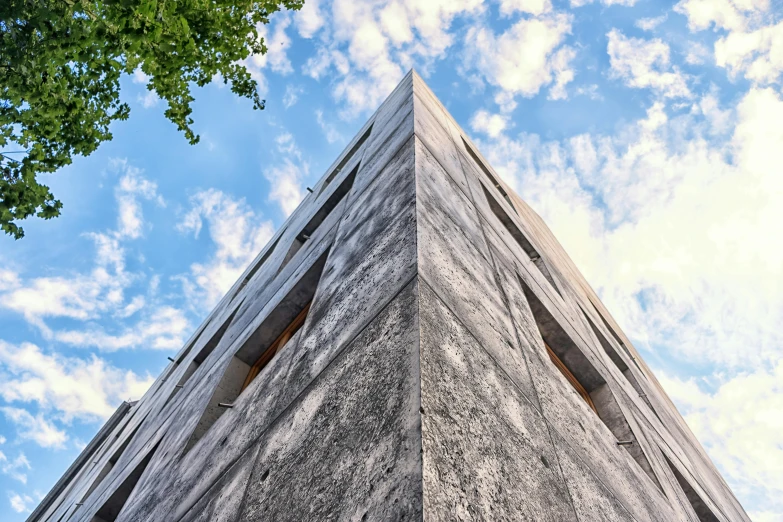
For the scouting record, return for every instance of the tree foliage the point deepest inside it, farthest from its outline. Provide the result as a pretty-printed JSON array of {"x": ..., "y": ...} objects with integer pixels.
[{"x": 60, "y": 67}]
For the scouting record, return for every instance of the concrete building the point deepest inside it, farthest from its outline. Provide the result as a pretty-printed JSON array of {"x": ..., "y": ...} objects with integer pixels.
[{"x": 413, "y": 344}]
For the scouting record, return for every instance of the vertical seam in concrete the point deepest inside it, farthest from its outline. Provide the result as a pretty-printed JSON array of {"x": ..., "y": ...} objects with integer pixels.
[
  {"x": 418, "y": 301},
  {"x": 521, "y": 350},
  {"x": 315, "y": 377}
]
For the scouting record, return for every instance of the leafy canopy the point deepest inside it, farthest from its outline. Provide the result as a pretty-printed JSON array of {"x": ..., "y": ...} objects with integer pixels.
[{"x": 60, "y": 68}]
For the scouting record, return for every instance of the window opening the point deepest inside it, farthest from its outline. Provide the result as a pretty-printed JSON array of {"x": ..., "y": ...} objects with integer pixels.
[
  {"x": 340, "y": 166},
  {"x": 257, "y": 266},
  {"x": 201, "y": 356},
  {"x": 113, "y": 506},
  {"x": 619, "y": 363},
  {"x": 616, "y": 337},
  {"x": 570, "y": 377},
  {"x": 704, "y": 513},
  {"x": 276, "y": 346},
  {"x": 111, "y": 462},
  {"x": 520, "y": 238},
  {"x": 281, "y": 328},
  {"x": 586, "y": 380},
  {"x": 320, "y": 216},
  {"x": 489, "y": 175}
]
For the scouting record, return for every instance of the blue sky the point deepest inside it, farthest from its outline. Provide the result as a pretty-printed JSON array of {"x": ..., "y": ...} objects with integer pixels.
[{"x": 647, "y": 134}]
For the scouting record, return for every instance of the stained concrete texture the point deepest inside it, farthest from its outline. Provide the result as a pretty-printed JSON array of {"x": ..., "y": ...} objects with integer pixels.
[{"x": 452, "y": 364}]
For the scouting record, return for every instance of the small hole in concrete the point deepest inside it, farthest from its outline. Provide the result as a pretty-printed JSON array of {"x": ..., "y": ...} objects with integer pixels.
[
  {"x": 545, "y": 461},
  {"x": 265, "y": 475}
]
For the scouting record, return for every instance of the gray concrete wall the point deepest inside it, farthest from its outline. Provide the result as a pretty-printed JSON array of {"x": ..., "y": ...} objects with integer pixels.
[{"x": 419, "y": 387}]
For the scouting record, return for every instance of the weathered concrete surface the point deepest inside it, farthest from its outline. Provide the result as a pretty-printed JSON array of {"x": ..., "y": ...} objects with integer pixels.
[{"x": 419, "y": 386}]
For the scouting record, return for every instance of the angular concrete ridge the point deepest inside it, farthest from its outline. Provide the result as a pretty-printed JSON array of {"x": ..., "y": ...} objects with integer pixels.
[{"x": 413, "y": 344}]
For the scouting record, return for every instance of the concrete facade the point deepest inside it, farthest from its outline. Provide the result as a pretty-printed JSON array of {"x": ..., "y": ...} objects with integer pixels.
[{"x": 419, "y": 386}]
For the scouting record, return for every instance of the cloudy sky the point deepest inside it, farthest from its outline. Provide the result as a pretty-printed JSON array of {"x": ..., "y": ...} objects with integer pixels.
[{"x": 647, "y": 134}]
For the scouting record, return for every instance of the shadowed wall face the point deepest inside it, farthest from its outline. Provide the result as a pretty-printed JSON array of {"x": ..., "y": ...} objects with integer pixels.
[{"x": 407, "y": 347}]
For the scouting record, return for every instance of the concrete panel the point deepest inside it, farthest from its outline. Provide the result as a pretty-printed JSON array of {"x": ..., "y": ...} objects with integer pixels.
[
  {"x": 349, "y": 447},
  {"x": 487, "y": 451}
]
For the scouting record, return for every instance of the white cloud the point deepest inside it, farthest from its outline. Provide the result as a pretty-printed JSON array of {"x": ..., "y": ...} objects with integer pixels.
[
  {"x": 725, "y": 14},
  {"x": 132, "y": 186},
  {"x": 697, "y": 54},
  {"x": 525, "y": 58},
  {"x": 72, "y": 387},
  {"x": 16, "y": 468},
  {"x": 534, "y": 7},
  {"x": 277, "y": 42},
  {"x": 20, "y": 503},
  {"x": 161, "y": 328},
  {"x": 35, "y": 428},
  {"x": 645, "y": 64},
  {"x": 490, "y": 124},
  {"x": 648, "y": 24},
  {"x": 286, "y": 179},
  {"x": 686, "y": 222},
  {"x": 149, "y": 100},
  {"x": 291, "y": 95},
  {"x": 238, "y": 234},
  {"x": 757, "y": 55},
  {"x": 309, "y": 19},
  {"x": 140, "y": 77},
  {"x": 626, "y": 3},
  {"x": 330, "y": 131},
  {"x": 369, "y": 45}
]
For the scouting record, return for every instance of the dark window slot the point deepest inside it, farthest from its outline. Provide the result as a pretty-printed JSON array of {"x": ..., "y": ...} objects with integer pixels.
[
  {"x": 489, "y": 175},
  {"x": 620, "y": 363},
  {"x": 520, "y": 238},
  {"x": 111, "y": 462},
  {"x": 619, "y": 341},
  {"x": 340, "y": 166},
  {"x": 215, "y": 339},
  {"x": 256, "y": 267},
  {"x": 113, "y": 506},
  {"x": 704, "y": 513},
  {"x": 280, "y": 330},
  {"x": 585, "y": 379},
  {"x": 320, "y": 216}
]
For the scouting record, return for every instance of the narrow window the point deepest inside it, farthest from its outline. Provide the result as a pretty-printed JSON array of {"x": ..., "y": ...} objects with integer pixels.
[
  {"x": 520, "y": 238},
  {"x": 489, "y": 175},
  {"x": 256, "y": 267},
  {"x": 704, "y": 513},
  {"x": 619, "y": 363},
  {"x": 340, "y": 166},
  {"x": 570, "y": 377},
  {"x": 585, "y": 380},
  {"x": 276, "y": 346},
  {"x": 113, "y": 506},
  {"x": 617, "y": 338},
  {"x": 111, "y": 462},
  {"x": 280, "y": 329},
  {"x": 320, "y": 216}
]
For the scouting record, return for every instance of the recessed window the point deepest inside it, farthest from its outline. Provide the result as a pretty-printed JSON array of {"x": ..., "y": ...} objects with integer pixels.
[
  {"x": 280, "y": 330},
  {"x": 113, "y": 506},
  {"x": 256, "y": 266},
  {"x": 520, "y": 238},
  {"x": 340, "y": 166},
  {"x": 703, "y": 511},
  {"x": 489, "y": 175},
  {"x": 617, "y": 338},
  {"x": 619, "y": 363},
  {"x": 111, "y": 462},
  {"x": 585, "y": 380},
  {"x": 277, "y": 346},
  {"x": 320, "y": 216},
  {"x": 570, "y": 377}
]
